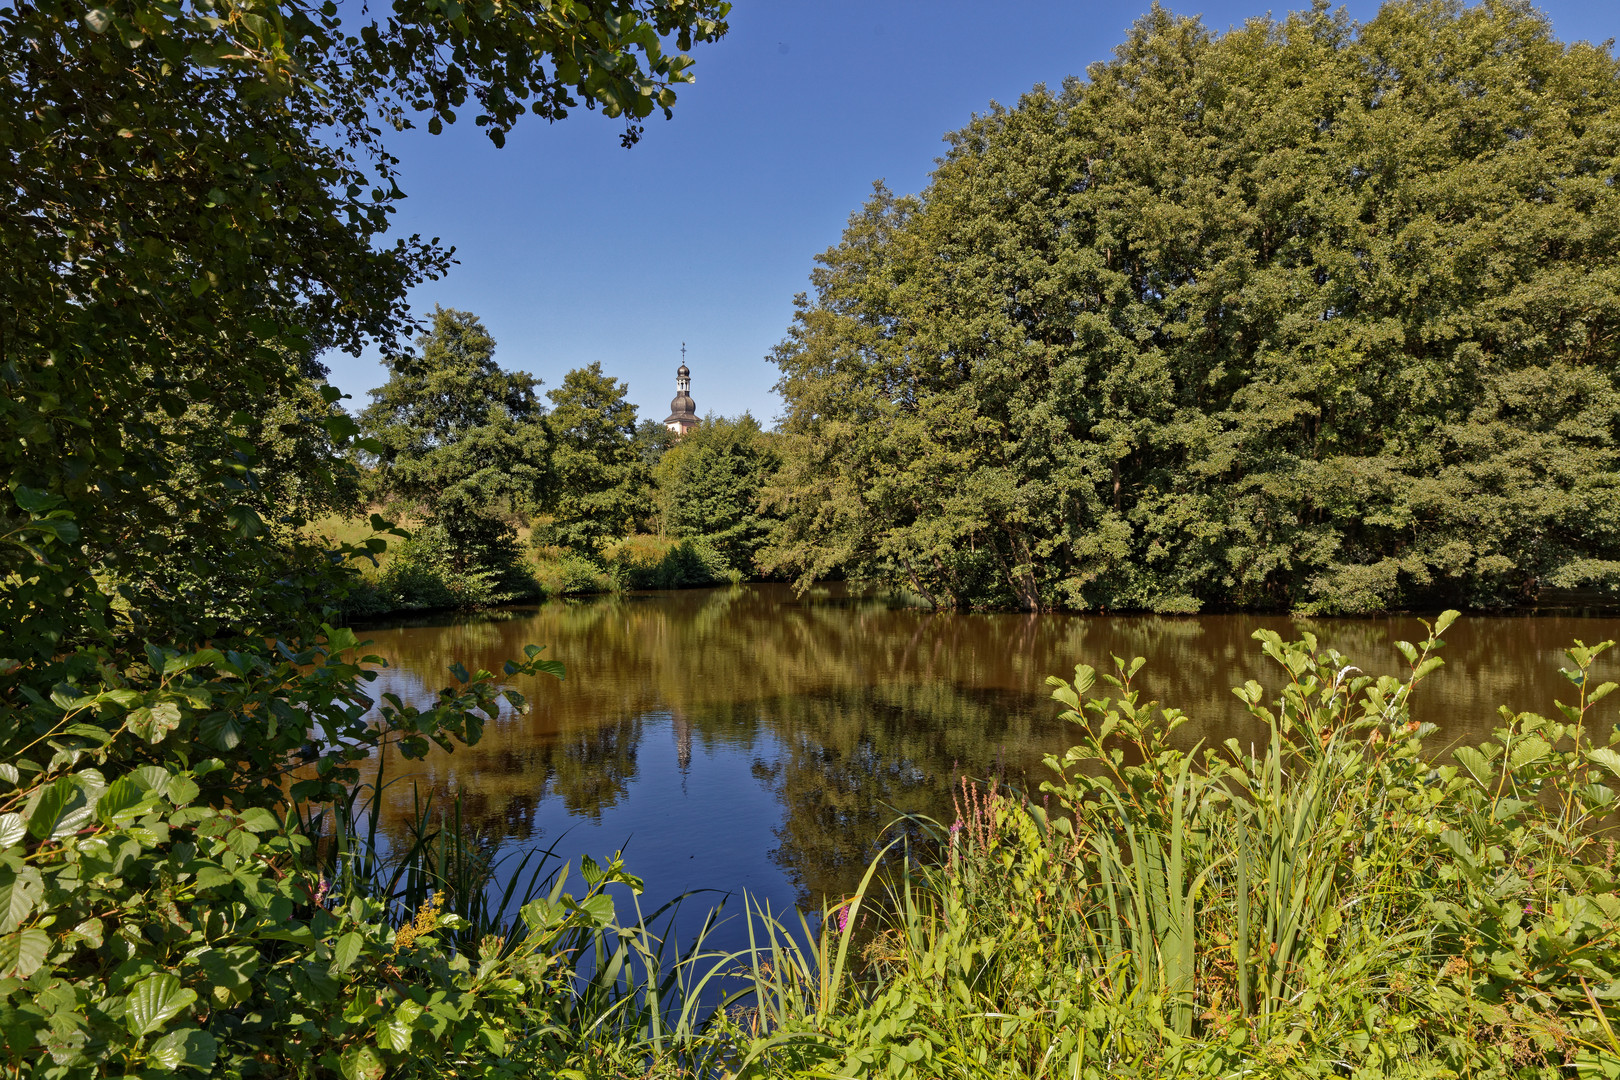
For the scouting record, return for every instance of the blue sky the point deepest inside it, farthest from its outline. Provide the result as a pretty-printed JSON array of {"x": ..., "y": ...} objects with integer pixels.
[{"x": 574, "y": 250}]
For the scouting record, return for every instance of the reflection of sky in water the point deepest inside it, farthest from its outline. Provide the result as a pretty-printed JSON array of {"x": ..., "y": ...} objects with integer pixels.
[{"x": 701, "y": 826}]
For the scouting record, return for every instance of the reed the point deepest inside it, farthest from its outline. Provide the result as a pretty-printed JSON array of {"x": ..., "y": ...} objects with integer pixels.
[{"x": 640, "y": 996}]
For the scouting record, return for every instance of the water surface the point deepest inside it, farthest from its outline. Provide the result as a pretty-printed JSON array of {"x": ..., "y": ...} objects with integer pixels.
[{"x": 748, "y": 739}]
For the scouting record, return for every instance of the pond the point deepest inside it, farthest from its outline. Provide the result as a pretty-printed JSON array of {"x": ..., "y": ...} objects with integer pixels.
[{"x": 747, "y": 739}]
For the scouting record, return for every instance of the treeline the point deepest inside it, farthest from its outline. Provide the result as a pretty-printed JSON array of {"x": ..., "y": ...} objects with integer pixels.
[
  {"x": 1309, "y": 315},
  {"x": 506, "y": 488}
]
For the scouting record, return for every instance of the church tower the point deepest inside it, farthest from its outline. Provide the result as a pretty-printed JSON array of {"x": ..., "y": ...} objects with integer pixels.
[{"x": 683, "y": 410}]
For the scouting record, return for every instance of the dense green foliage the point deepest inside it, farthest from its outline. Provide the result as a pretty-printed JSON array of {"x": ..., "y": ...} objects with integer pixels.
[
  {"x": 601, "y": 480},
  {"x": 711, "y": 484},
  {"x": 464, "y": 447},
  {"x": 463, "y": 444},
  {"x": 1308, "y": 315},
  {"x": 1333, "y": 902},
  {"x": 196, "y": 201},
  {"x": 652, "y": 562}
]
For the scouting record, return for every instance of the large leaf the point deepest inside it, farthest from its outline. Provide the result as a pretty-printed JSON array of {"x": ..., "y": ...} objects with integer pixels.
[
  {"x": 1606, "y": 758},
  {"x": 65, "y": 805},
  {"x": 394, "y": 1034},
  {"x": 1528, "y": 750},
  {"x": 156, "y": 1000},
  {"x": 22, "y": 952},
  {"x": 346, "y": 951},
  {"x": 1477, "y": 764},
  {"x": 19, "y": 892},
  {"x": 188, "y": 1046},
  {"x": 13, "y": 827},
  {"x": 124, "y": 797},
  {"x": 221, "y": 730},
  {"x": 154, "y": 723},
  {"x": 360, "y": 1062}
]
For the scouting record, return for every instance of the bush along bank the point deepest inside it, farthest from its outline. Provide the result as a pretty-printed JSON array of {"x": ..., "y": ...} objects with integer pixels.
[
  {"x": 422, "y": 575},
  {"x": 170, "y": 902},
  {"x": 1336, "y": 900}
]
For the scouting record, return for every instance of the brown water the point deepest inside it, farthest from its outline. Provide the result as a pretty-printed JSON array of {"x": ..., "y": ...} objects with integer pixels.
[{"x": 748, "y": 739}]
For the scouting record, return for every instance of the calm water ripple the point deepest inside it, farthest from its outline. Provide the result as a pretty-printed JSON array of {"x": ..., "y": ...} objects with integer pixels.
[{"x": 747, "y": 739}]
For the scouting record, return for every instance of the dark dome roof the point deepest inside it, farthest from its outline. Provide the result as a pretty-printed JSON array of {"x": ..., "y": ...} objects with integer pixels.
[
  {"x": 682, "y": 408},
  {"x": 682, "y": 371}
]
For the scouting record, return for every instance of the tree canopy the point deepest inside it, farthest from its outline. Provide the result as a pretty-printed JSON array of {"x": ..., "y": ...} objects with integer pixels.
[
  {"x": 1309, "y": 314},
  {"x": 460, "y": 438},
  {"x": 197, "y": 201},
  {"x": 600, "y": 477},
  {"x": 711, "y": 482}
]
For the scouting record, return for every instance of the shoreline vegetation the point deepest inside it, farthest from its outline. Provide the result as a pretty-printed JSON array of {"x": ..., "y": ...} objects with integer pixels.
[
  {"x": 1336, "y": 901},
  {"x": 416, "y": 575}
]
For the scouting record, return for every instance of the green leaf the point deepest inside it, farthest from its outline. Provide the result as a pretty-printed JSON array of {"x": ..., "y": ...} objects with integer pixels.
[
  {"x": 174, "y": 665},
  {"x": 191, "y": 1047},
  {"x": 598, "y": 909},
  {"x": 1506, "y": 808},
  {"x": 19, "y": 891},
  {"x": 246, "y": 521},
  {"x": 360, "y": 1062},
  {"x": 393, "y": 1034},
  {"x": 1477, "y": 764},
  {"x": 66, "y": 532},
  {"x": 12, "y": 829},
  {"x": 258, "y": 819},
  {"x": 91, "y": 931},
  {"x": 58, "y": 809},
  {"x": 346, "y": 951},
  {"x": 181, "y": 790},
  {"x": 221, "y": 730},
  {"x": 32, "y": 501},
  {"x": 22, "y": 952},
  {"x": 156, "y": 1000},
  {"x": 155, "y": 722},
  {"x": 1605, "y": 757},
  {"x": 1528, "y": 750},
  {"x": 123, "y": 797}
]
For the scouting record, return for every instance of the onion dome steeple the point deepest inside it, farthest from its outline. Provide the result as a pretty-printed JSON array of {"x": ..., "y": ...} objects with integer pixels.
[{"x": 682, "y": 410}]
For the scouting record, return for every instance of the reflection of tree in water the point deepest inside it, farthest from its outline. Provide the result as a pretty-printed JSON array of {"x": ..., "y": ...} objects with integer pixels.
[
  {"x": 592, "y": 769},
  {"x": 853, "y": 762},
  {"x": 877, "y": 706}
]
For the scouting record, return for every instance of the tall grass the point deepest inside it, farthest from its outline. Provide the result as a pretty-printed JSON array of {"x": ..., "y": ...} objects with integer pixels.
[
  {"x": 1329, "y": 901},
  {"x": 640, "y": 995}
]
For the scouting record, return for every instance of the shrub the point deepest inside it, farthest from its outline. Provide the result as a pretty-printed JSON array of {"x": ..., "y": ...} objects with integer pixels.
[
  {"x": 162, "y": 910},
  {"x": 646, "y": 562},
  {"x": 423, "y": 575}
]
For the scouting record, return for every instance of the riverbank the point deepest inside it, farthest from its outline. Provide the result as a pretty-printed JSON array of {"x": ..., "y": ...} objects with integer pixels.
[
  {"x": 417, "y": 575},
  {"x": 1336, "y": 902}
]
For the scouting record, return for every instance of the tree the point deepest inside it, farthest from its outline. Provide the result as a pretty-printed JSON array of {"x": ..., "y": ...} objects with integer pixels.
[
  {"x": 195, "y": 201},
  {"x": 600, "y": 479},
  {"x": 216, "y": 216},
  {"x": 1311, "y": 314},
  {"x": 653, "y": 441},
  {"x": 460, "y": 438},
  {"x": 711, "y": 482}
]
